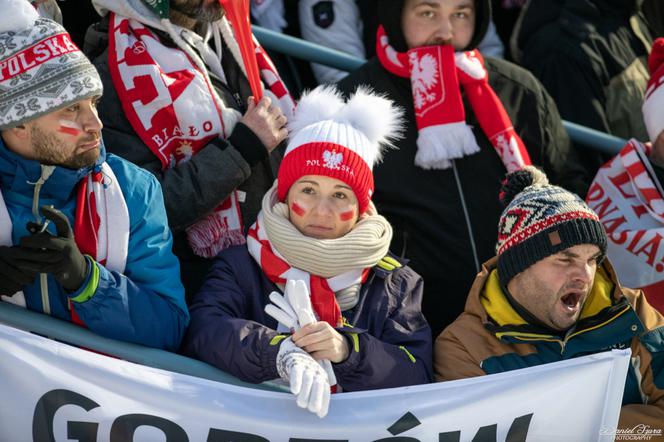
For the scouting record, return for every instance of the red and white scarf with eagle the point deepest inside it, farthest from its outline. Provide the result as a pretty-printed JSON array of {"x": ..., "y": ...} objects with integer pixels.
[
  {"x": 629, "y": 201},
  {"x": 435, "y": 73},
  {"x": 176, "y": 112},
  {"x": 101, "y": 225},
  {"x": 321, "y": 290}
]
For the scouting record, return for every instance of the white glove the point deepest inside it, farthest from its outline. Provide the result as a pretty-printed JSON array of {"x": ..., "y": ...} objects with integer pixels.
[
  {"x": 307, "y": 379},
  {"x": 297, "y": 294},
  {"x": 294, "y": 311},
  {"x": 282, "y": 312}
]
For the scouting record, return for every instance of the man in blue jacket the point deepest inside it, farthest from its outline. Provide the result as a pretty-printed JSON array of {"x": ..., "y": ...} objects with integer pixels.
[{"x": 113, "y": 271}]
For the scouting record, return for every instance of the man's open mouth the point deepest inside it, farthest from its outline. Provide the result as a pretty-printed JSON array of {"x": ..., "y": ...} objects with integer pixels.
[{"x": 571, "y": 300}]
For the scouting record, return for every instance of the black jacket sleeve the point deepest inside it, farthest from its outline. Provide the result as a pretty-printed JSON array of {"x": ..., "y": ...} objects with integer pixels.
[
  {"x": 225, "y": 328},
  {"x": 560, "y": 159},
  {"x": 536, "y": 119},
  {"x": 578, "y": 95}
]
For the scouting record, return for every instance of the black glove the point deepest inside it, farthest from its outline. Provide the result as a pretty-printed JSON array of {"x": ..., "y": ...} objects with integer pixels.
[
  {"x": 12, "y": 277},
  {"x": 58, "y": 255}
]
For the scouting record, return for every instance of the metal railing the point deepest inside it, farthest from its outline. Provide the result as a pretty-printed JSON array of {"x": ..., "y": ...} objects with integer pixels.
[
  {"x": 296, "y": 47},
  {"x": 63, "y": 331}
]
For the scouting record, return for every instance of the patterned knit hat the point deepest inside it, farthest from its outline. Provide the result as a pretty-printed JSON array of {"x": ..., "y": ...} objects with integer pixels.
[
  {"x": 540, "y": 220},
  {"x": 340, "y": 140},
  {"x": 653, "y": 105},
  {"x": 41, "y": 69}
]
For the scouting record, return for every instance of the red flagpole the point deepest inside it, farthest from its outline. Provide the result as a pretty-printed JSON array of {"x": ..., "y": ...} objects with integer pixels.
[{"x": 237, "y": 12}]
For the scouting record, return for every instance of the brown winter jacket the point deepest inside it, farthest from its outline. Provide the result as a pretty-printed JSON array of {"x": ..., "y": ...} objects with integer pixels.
[{"x": 490, "y": 337}]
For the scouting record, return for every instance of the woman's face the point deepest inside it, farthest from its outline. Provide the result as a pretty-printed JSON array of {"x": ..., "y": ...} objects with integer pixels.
[{"x": 322, "y": 207}]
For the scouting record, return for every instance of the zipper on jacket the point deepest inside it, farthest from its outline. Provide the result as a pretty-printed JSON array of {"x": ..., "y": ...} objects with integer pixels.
[
  {"x": 43, "y": 286},
  {"x": 238, "y": 99},
  {"x": 574, "y": 332},
  {"x": 471, "y": 236},
  {"x": 46, "y": 172}
]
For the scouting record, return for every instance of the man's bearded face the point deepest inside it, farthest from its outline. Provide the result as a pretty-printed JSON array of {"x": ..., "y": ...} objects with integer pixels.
[
  {"x": 52, "y": 149},
  {"x": 68, "y": 137}
]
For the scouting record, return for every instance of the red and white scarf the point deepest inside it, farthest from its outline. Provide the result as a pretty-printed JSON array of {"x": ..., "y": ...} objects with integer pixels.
[
  {"x": 630, "y": 203},
  {"x": 322, "y": 290},
  {"x": 176, "y": 112},
  {"x": 435, "y": 74},
  {"x": 101, "y": 225}
]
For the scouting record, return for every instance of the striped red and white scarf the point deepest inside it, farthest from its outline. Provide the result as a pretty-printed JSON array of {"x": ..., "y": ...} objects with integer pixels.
[
  {"x": 436, "y": 74},
  {"x": 629, "y": 201},
  {"x": 344, "y": 263},
  {"x": 322, "y": 290},
  {"x": 175, "y": 110}
]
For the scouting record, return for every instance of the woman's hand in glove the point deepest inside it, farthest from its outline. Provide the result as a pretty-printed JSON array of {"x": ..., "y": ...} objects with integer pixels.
[{"x": 308, "y": 381}]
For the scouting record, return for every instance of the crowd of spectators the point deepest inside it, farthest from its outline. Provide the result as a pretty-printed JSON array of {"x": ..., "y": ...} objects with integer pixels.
[{"x": 328, "y": 238}]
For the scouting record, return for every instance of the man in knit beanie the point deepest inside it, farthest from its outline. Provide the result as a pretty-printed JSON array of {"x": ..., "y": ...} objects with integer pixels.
[
  {"x": 549, "y": 295},
  {"x": 628, "y": 197},
  {"x": 83, "y": 234}
]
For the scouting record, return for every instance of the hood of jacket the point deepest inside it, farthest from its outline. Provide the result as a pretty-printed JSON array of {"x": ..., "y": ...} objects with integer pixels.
[
  {"x": 133, "y": 9},
  {"x": 573, "y": 14},
  {"x": 389, "y": 15},
  {"x": 18, "y": 175}
]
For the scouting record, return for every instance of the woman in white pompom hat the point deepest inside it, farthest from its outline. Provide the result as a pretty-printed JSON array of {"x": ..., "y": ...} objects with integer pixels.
[{"x": 353, "y": 307}]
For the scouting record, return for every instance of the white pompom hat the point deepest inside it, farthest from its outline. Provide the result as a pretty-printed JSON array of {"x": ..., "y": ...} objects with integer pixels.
[{"x": 342, "y": 140}]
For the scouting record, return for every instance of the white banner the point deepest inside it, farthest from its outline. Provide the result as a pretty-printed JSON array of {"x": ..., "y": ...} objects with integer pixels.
[{"x": 54, "y": 392}]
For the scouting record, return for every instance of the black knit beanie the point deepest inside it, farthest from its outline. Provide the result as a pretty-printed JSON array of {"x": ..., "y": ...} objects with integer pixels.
[
  {"x": 389, "y": 15},
  {"x": 540, "y": 220}
]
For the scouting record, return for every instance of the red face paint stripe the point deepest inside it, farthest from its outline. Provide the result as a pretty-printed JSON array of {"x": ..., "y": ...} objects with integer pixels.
[
  {"x": 347, "y": 216},
  {"x": 68, "y": 130},
  {"x": 297, "y": 209}
]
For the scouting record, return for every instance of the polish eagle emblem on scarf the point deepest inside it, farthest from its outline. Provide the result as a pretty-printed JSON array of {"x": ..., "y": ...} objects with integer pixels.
[{"x": 424, "y": 77}]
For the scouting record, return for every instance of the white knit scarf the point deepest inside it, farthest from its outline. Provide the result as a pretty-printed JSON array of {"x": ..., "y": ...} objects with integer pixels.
[{"x": 341, "y": 262}]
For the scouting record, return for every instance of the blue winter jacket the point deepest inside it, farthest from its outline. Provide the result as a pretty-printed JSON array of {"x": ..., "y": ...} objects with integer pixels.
[
  {"x": 145, "y": 304},
  {"x": 389, "y": 340}
]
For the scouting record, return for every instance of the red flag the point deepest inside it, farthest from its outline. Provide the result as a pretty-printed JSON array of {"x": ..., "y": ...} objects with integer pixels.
[{"x": 237, "y": 12}]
